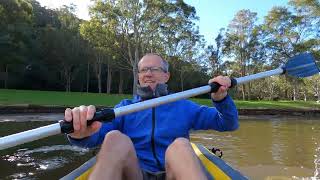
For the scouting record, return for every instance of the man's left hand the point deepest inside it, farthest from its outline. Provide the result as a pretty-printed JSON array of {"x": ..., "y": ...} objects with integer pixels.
[{"x": 222, "y": 92}]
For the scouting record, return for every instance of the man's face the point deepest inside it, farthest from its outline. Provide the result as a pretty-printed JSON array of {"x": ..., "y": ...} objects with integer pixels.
[{"x": 151, "y": 71}]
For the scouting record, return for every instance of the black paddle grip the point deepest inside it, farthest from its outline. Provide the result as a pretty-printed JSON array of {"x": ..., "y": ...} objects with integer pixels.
[
  {"x": 104, "y": 115},
  {"x": 215, "y": 86}
]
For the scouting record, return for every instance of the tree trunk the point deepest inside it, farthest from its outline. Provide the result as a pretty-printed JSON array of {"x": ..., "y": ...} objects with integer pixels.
[
  {"x": 249, "y": 91},
  {"x": 98, "y": 70},
  {"x": 65, "y": 77},
  {"x": 136, "y": 59},
  {"x": 318, "y": 91},
  {"x": 120, "y": 82},
  {"x": 134, "y": 64},
  {"x": 109, "y": 77},
  {"x": 243, "y": 92},
  {"x": 243, "y": 73},
  {"x": 143, "y": 49},
  {"x": 271, "y": 87},
  {"x": 99, "y": 84},
  {"x": 135, "y": 79},
  {"x": 88, "y": 76},
  {"x": 133, "y": 69},
  {"x": 286, "y": 91},
  {"x": 109, "y": 81},
  {"x": 69, "y": 82},
  {"x": 99, "y": 78},
  {"x": 181, "y": 81},
  {"x": 6, "y": 77}
]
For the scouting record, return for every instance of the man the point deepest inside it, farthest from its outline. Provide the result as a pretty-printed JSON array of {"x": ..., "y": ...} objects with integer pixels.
[{"x": 152, "y": 143}]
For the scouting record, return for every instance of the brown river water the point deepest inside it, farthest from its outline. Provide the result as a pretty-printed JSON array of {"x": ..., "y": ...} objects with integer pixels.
[{"x": 264, "y": 147}]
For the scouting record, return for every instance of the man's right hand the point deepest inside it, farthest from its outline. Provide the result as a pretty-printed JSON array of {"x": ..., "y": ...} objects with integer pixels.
[{"x": 80, "y": 115}]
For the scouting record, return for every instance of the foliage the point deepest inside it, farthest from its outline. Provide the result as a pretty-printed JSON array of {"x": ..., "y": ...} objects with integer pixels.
[{"x": 52, "y": 49}]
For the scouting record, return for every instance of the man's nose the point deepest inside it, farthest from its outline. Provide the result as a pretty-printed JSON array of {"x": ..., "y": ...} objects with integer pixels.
[{"x": 149, "y": 73}]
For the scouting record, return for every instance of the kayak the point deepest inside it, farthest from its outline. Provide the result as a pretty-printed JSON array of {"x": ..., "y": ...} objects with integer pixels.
[{"x": 214, "y": 166}]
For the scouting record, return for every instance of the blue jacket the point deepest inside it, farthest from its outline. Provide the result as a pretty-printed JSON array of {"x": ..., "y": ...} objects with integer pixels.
[{"x": 153, "y": 130}]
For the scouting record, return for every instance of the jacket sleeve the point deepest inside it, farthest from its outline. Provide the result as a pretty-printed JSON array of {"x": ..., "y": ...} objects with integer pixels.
[
  {"x": 222, "y": 117},
  {"x": 97, "y": 138}
]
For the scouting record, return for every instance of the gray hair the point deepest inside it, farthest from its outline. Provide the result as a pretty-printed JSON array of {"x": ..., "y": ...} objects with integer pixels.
[{"x": 164, "y": 63}]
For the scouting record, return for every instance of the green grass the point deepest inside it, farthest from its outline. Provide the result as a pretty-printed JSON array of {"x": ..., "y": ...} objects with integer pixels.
[
  {"x": 269, "y": 104},
  {"x": 54, "y": 98},
  {"x": 28, "y": 97}
]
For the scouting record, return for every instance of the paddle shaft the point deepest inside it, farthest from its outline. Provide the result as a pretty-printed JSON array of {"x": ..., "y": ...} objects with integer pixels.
[
  {"x": 189, "y": 93},
  {"x": 109, "y": 114},
  {"x": 30, "y": 135}
]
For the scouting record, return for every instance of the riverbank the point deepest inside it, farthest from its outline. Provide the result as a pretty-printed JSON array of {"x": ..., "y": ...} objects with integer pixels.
[
  {"x": 29, "y": 100},
  {"x": 33, "y": 109}
]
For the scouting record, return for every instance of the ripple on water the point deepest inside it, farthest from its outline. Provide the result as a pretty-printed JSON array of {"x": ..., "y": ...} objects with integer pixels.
[
  {"x": 52, "y": 163},
  {"x": 47, "y": 149},
  {"x": 32, "y": 161},
  {"x": 19, "y": 176},
  {"x": 317, "y": 164}
]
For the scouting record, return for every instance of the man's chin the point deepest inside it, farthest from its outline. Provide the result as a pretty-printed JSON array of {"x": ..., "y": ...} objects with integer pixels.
[{"x": 151, "y": 85}]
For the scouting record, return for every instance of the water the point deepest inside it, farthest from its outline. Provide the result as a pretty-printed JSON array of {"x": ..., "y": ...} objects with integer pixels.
[
  {"x": 270, "y": 146},
  {"x": 48, "y": 158},
  {"x": 264, "y": 147}
]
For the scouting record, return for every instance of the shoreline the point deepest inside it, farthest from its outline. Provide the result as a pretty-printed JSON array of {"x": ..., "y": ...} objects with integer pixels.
[{"x": 32, "y": 109}]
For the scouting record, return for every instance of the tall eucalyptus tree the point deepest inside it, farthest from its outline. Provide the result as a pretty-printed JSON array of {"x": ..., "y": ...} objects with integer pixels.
[{"x": 240, "y": 42}]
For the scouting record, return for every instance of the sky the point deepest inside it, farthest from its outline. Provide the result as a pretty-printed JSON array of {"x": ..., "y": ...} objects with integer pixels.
[
  {"x": 213, "y": 14},
  {"x": 217, "y": 14}
]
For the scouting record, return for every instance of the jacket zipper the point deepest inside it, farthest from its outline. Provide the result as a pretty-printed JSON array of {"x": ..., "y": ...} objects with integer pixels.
[{"x": 152, "y": 137}]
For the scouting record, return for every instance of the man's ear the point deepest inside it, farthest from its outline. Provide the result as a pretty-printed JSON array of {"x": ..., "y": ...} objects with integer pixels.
[{"x": 167, "y": 77}]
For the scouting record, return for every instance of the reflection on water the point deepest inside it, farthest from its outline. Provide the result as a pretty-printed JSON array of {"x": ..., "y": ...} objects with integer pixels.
[
  {"x": 271, "y": 146},
  {"x": 265, "y": 147},
  {"x": 26, "y": 157},
  {"x": 49, "y": 158},
  {"x": 317, "y": 163},
  {"x": 41, "y": 159}
]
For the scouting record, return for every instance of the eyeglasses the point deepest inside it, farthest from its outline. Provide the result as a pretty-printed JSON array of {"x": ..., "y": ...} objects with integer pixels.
[{"x": 152, "y": 70}]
